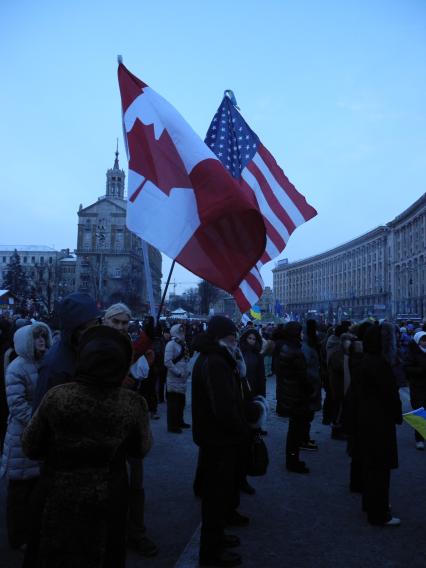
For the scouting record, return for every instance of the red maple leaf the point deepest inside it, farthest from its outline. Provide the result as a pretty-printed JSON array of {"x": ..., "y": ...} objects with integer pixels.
[{"x": 156, "y": 160}]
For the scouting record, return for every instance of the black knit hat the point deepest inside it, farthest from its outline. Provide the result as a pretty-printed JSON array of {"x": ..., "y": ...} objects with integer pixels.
[
  {"x": 292, "y": 330},
  {"x": 220, "y": 326},
  {"x": 104, "y": 356}
]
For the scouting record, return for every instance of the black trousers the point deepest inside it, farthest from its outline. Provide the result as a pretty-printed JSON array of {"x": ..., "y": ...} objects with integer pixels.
[
  {"x": 375, "y": 494},
  {"x": 20, "y": 494},
  {"x": 136, "y": 517},
  {"x": 218, "y": 482},
  {"x": 148, "y": 389},
  {"x": 175, "y": 408},
  {"x": 297, "y": 427},
  {"x": 306, "y": 435}
]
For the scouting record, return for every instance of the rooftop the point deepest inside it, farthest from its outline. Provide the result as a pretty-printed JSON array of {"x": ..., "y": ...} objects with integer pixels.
[{"x": 26, "y": 248}]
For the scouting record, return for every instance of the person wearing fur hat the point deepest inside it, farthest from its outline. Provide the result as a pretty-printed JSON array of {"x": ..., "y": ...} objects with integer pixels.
[
  {"x": 415, "y": 367},
  {"x": 295, "y": 393},
  {"x": 31, "y": 342},
  {"x": 176, "y": 360},
  {"x": 220, "y": 430},
  {"x": 83, "y": 431},
  {"x": 378, "y": 411}
]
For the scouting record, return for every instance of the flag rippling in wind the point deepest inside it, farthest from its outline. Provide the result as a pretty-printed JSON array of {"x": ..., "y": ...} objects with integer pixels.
[
  {"x": 181, "y": 199},
  {"x": 252, "y": 165}
]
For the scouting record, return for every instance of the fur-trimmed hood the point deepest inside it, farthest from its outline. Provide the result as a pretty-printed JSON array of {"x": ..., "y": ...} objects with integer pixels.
[
  {"x": 243, "y": 340},
  {"x": 23, "y": 340}
]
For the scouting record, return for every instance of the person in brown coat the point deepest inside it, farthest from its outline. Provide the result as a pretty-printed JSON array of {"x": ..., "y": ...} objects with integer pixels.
[{"x": 84, "y": 431}]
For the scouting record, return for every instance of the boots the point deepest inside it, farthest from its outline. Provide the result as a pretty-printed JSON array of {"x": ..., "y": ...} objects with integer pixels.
[{"x": 294, "y": 464}]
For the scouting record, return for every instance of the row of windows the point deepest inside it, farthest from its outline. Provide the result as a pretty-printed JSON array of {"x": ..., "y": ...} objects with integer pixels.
[{"x": 29, "y": 260}]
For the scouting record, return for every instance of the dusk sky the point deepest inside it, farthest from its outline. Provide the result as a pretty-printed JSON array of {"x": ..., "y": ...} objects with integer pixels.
[{"x": 335, "y": 90}]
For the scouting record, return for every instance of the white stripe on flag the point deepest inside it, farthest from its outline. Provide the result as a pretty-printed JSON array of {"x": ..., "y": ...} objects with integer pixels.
[
  {"x": 279, "y": 191},
  {"x": 248, "y": 292},
  {"x": 255, "y": 271},
  {"x": 271, "y": 249},
  {"x": 264, "y": 205}
]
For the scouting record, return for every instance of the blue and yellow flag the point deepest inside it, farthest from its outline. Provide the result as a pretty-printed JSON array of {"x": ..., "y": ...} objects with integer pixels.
[
  {"x": 255, "y": 312},
  {"x": 417, "y": 419}
]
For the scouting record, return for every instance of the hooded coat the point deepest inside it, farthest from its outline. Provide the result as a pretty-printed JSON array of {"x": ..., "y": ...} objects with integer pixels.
[
  {"x": 59, "y": 364},
  {"x": 21, "y": 380},
  {"x": 176, "y": 359},
  {"x": 84, "y": 431},
  {"x": 255, "y": 367},
  {"x": 378, "y": 404},
  {"x": 218, "y": 415}
]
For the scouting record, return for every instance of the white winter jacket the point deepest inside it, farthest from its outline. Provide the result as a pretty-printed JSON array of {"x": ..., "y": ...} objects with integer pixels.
[
  {"x": 177, "y": 372},
  {"x": 21, "y": 378}
]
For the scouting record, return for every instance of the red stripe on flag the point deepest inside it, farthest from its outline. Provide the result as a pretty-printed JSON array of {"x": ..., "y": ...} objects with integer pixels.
[
  {"x": 130, "y": 86},
  {"x": 265, "y": 258},
  {"x": 242, "y": 302},
  {"x": 305, "y": 209},
  {"x": 274, "y": 235},
  {"x": 254, "y": 284},
  {"x": 270, "y": 197}
]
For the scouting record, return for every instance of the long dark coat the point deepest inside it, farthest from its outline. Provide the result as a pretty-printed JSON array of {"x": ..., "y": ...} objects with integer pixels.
[
  {"x": 415, "y": 367},
  {"x": 84, "y": 432},
  {"x": 294, "y": 389},
  {"x": 255, "y": 366},
  {"x": 378, "y": 405},
  {"x": 218, "y": 415}
]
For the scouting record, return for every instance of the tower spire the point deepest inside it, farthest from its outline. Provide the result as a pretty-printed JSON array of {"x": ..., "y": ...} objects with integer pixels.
[{"x": 116, "y": 166}]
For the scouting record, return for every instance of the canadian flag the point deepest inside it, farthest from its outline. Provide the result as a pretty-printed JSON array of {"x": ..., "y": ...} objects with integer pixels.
[{"x": 181, "y": 199}]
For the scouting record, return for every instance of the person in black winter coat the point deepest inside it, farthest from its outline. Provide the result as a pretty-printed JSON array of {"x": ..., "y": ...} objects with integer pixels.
[
  {"x": 219, "y": 429},
  {"x": 278, "y": 339},
  {"x": 295, "y": 391},
  {"x": 379, "y": 410},
  {"x": 251, "y": 346},
  {"x": 415, "y": 367},
  {"x": 77, "y": 313}
]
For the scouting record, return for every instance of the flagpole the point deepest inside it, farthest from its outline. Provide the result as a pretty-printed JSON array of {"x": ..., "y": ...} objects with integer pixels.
[{"x": 160, "y": 309}]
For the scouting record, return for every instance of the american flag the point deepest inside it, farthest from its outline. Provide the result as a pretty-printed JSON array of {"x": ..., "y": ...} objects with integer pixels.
[{"x": 282, "y": 206}]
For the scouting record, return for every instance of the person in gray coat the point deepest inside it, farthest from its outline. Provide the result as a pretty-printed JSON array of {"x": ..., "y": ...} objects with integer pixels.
[
  {"x": 176, "y": 359},
  {"x": 30, "y": 342}
]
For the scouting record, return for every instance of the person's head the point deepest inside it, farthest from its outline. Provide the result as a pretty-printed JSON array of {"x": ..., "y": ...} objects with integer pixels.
[
  {"x": 410, "y": 329},
  {"x": 32, "y": 341},
  {"x": 420, "y": 339},
  {"x": 40, "y": 339},
  {"x": 221, "y": 328},
  {"x": 77, "y": 313},
  {"x": 104, "y": 356},
  {"x": 166, "y": 334},
  {"x": 251, "y": 339},
  {"x": 293, "y": 331},
  {"x": 118, "y": 317},
  {"x": 177, "y": 331}
]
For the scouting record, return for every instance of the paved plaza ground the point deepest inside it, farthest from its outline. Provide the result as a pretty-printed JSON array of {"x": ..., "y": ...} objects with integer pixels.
[{"x": 297, "y": 521}]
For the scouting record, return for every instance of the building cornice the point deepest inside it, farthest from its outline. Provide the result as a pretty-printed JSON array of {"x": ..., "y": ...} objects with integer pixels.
[
  {"x": 411, "y": 211},
  {"x": 343, "y": 248}
]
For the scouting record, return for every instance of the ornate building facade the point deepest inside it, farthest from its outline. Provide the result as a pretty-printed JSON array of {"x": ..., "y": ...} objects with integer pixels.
[
  {"x": 381, "y": 273},
  {"x": 109, "y": 257}
]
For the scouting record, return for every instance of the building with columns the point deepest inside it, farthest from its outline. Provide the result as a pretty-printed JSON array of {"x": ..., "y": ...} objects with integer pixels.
[
  {"x": 109, "y": 262},
  {"x": 380, "y": 273}
]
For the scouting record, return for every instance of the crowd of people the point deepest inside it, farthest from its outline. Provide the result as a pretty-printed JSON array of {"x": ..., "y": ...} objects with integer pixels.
[{"x": 76, "y": 405}]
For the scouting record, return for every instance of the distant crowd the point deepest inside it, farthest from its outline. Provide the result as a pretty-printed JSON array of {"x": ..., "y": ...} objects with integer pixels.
[{"x": 76, "y": 405}]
